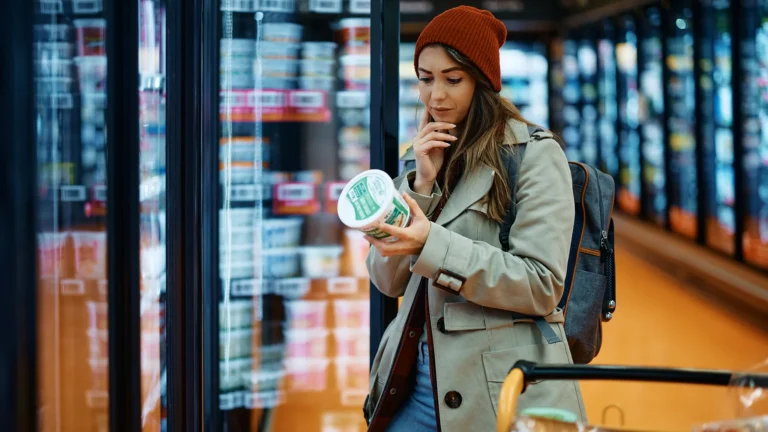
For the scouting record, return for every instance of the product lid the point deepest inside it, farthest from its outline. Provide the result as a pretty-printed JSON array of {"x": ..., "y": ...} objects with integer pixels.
[
  {"x": 364, "y": 199},
  {"x": 551, "y": 413}
]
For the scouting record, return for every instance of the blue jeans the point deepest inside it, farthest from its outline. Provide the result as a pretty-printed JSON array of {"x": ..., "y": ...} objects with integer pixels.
[{"x": 418, "y": 411}]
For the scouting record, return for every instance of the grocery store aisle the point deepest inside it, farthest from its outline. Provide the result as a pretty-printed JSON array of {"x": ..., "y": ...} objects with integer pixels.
[{"x": 660, "y": 322}]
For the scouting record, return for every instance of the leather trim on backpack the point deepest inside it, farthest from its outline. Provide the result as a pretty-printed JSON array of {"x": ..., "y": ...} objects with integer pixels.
[{"x": 581, "y": 237}]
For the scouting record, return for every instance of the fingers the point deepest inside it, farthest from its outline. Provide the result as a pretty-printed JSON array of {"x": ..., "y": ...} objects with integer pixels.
[
  {"x": 435, "y": 126},
  {"x": 438, "y": 136},
  {"x": 414, "y": 206},
  {"x": 427, "y": 147},
  {"x": 424, "y": 120},
  {"x": 392, "y": 230}
]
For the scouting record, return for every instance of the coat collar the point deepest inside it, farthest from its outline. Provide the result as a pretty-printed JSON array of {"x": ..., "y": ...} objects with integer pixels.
[{"x": 473, "y": 186}]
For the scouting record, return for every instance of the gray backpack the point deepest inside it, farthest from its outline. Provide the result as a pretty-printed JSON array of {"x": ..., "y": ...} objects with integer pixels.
[{"x": 589, "y": 298}]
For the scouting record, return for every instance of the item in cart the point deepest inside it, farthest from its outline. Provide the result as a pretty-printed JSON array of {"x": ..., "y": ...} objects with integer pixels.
[
  {"x": 371, "y": 199},
  {"x": 306, "y": 314},
  {"x": 235, "y": 343},
  {"x": 351, "y": 313},
  {"x": 91, "y": 36},
  {"x": 355, "y": 35},
  {"x": 282, "y": 32},
  {"x": 323, "y": 51},
  {"x": 280, "y": 263},
  {"x": 281, "y": 233},
  {"x": 98, "y": 342},
  {"x": 351, "y": 372},
  {"x": 306, "y": 343},
  {"x": 352, "y": 342},
  {"x": 92, "y": 73},
  {"x": 321, "y": 261},
  {"x": 308, "y": 374},
  {"x": 97, "y": 315},
  {"x": 90, "y": 254}
]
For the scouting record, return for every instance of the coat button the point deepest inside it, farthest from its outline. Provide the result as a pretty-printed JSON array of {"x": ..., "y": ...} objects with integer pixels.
[
  {"x": 441, "y": 325},
  {"x": 453, "y": 399},
  {"x": 412, "y": 334},
  {"x": 392, "y": 391}
]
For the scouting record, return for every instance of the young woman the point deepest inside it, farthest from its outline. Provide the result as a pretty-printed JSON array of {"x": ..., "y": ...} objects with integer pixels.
[{"x": 442, "y": 360}]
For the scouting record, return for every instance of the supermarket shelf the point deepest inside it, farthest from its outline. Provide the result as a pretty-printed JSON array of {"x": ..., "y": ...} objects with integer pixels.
[
  {"x": 271, "y": 106},
  {"x": 735, "y": 285}
]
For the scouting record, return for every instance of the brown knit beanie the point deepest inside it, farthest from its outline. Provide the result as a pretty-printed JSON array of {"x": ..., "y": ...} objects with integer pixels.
[{"x": 475, "y": 33}]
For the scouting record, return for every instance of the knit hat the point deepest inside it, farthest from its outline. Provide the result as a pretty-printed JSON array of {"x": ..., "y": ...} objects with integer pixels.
[{"x": 475, "y": 33}]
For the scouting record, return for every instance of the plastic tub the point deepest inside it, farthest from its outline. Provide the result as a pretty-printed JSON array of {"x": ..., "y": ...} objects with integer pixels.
[
  {"x": 90, "y": 254},
  {"x": 355, "y": 31},
  {"x": 236, "y": 270},
  {"x": 239, "y": 314},
  {"x": 356, "y": 67},
  {"x": 278, "y": 50},
  {"x": 321, "y": 261},
  {"x": 91, "y": 36},
  {"x": 233, "y": 374},
  {"x": 238, "y": 172},
  {"x": 54, "y": 50},
  {"x": 291, "y": 289},
  {"x": 315, "y": 68},
  {"x": 237, "y": 340},
  {"x": 275, "y": 83},
  {"x": 317, "y": 83},
  {"x": 266, "y": 380},
  {"x": 50, "y": 249},
  {"x": 52, "y": 32},
  {"x": 97, "y": 315},
  {"x": 236, "y": 237},
  {"x": 358, "y": 248},
  {"x": 281, "y": 263},
  {"x": 92, "y": 72},
  {"x": 236, "y": 81},
  {"x": 46, "y": 86},
  {"x": 306, "y": 343},
  {"x": 48, "y": 68},
  {"x": 282, "y": 32},
  {"x": 351, "y": 313},
  {"x": 276, "y": 68},
  {"x": 351, "y": 372},
  {"x": 235, "y": 46},
  {"x": 308, "y": 374},
  {"x": 242, "y": 149},
  {"x": 318, "y": 50},
  {"x": 369, "y": 199},
  {"x": 238, "y": 217},
  {"x": 306, "y": 314},
  {"x": 280, "y": 233},
  {"x": 352, "y": 342},
  {"x": 98, "y": 343}
]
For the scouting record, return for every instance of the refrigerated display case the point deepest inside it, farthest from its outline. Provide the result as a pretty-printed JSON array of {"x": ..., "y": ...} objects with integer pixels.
[
  {"x": 628, "y": 181},
  {"x": 571, "y": 96},
  {"x": 715, "y": 114},
  {"x": 753, "y": 37},
  {"x": 681, "y": 120},
  {"x": 654, "y": 200},
  {"x": 588, "y": 130},
  {"x": 292, "y": 335},
  {"x": 607, "y": 100},
  {"x": 524, "y": 71}
]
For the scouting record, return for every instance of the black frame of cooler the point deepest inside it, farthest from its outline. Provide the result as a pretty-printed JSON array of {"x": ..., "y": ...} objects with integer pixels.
[
  {"x": 19, "y": 195},
  {"x": 385, "y": 26}
]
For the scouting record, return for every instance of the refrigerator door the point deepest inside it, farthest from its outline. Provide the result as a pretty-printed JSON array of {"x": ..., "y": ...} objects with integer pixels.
[
  {"x": 754, "y": 88},
  {"x": 293, "y": 314},
  {"x": 587, "y": 59},
  {"x": 715, "y": 109},
  {"x": 652, "y": 118},
  {"x": 628, "y": 181},
  {"x": 681, "y": 121},
  {"x": 571, "y": 97},
  {"x": 607, "y": 102}
]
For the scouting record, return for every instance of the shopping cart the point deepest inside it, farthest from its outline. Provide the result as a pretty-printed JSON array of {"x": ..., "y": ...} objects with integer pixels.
[{"x": 524, "y": 372}]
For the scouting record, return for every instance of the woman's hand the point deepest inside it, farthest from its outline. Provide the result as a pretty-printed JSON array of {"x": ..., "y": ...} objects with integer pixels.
[
  {"x": 429, "y": 148},
  {"x": 410, "y": 240}
]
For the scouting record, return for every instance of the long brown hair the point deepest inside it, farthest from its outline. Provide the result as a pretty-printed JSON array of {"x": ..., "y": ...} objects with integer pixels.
[{"x": 481, "y": 139}]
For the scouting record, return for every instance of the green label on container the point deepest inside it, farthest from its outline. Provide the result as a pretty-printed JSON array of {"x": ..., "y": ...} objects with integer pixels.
[{"x": 362, "y": 197}]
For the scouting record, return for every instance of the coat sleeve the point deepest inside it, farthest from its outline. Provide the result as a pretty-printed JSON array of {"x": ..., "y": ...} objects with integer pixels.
[
  {"x": 529, "y": 278},
  {"x": 391, "y": 274}
]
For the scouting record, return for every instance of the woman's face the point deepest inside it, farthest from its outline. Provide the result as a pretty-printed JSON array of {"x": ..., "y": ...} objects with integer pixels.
[{"x": 444, "y": 88}]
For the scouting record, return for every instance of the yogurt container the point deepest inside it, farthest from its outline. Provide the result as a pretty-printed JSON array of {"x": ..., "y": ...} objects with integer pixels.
[{"x": 369, "y": 199}]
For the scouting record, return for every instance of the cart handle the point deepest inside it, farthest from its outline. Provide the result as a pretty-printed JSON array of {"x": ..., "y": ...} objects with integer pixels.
[{"x": 524, "y": 372}]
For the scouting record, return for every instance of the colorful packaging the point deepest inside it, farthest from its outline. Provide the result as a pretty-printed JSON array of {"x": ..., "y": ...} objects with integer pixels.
[{"x": 370, "y": 199}]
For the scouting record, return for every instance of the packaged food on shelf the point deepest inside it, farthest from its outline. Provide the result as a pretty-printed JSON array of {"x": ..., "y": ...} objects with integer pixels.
[
  {"x": 98, "y": 343},
  {"x": 234, "y": 374},
  {"x": 54, "y": 68},
  {"x": 271, "y": 355},
  {"x": 237, "y": 172},
  {"x": 92, "y": 73},
  {"x": 275, "y": 83},
  {"x": 280, "y": 233},
  {"x": 237, "y": 255},
  {"x": 355, "y": 34},
  {"x": 354, "y": 136},
  {"x": 351, "y": 313},
  {"x": 349, "y": 170},
  {"x": 351, "y": 372},
  {"x": 277, "y": 50},
  {"x": 322, "y": 68},
  {"x": 355, "y": 117},
  {"x": 97, "y": 315},
  {"x": 235, "y": 314},
  {"x": 306, "y": 314},
  {"x": 54, "y": 50},
  {"x": 320, "y": 6},
  {"x": 357, "y": 248},
  {"x": 318, "y": 51},
  {"x": 356, "y": 67},
  {"x": 295, "y": 198},
  {"x": 236, "y": 236},
  {"x": 371, "y": 198},
  {"x": 236, "y": 270},
  {"x": 331, "y": 194},
  {"x": 51, "y": 254},
  {"x": 326, "y": 84},
  {"x": 271, "y": 68},
  {"x": 244, "y": 49},
  {"x": 90, "y": 254},
  {"x": 99, "y": 374},
  {"x": 54, "y": 85},
  {"x": 91, "y": 36},
  {"x": 235, "y": 343},
  {"x": 306, "y": 343},
  {"x": 51, "y": 32},
  {"x": 291, "y": 289},
  {"x": 352, "y": 342},
  {"x": 342, "y": 285},
  {"x": 308, "y": 374},
  {"x": 237, "y": 218},
  {"x": 321, "y": 261},
  {"x": 280, "y": 262},
  {"x": 266, "y": 380},
  {"x": 282, "y": 32}
]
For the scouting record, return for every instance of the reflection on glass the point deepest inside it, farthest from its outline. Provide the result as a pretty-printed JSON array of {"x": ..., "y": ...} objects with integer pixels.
[
  {"x": 652, "y": 118},
  {"x": 607, "y": 108},
  {"x": 152, "y": 31},
  {"x": 294, "y": 319},
  {"x": 70, "y": 82},
  {"x": 754, "y": 87},
  {"x": 628, "y": 108},
  {"x": 571, "y": 95},
  {"x": 716, "y": 114},
  {"x": 681, "y": 122},
  {"x": 587, "y": 59}
]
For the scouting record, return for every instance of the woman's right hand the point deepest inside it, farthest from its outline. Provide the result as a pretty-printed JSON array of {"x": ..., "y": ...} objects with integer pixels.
[{"x": 429, "y": 148}]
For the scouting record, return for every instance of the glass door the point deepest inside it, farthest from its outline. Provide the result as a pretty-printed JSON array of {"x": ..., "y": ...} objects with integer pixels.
[
  {"x": 587, "y": 59},
  {"x": 628, "y": 182},
  {"x": 524, "y": 79},
  {"x": 607, "y": 100},
  {"x": 292, "y": 333},
  {"x": 652, "y": 118},
  {"x": 754, "y": 118},
  {"x": 571, "y": 97},
  {"x": 681, "y": 120}
]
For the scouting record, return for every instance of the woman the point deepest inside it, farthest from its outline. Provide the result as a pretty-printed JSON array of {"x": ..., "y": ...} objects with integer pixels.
[{"x": 442, "y": 360}]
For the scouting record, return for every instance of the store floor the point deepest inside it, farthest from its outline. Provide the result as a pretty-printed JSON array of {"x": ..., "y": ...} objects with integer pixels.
[{"x": 660, "y": 322}]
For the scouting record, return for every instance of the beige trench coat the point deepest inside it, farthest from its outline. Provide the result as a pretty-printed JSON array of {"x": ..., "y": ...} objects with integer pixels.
[{"x": 478, "y": 341}]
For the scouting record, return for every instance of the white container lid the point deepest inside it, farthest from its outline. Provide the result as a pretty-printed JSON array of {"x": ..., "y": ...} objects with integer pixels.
[{"x": 347, "y": 212}]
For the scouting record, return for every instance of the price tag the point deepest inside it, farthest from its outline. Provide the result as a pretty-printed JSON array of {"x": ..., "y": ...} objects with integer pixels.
[
  {"x": 51, "y": 7},
  {"x": 73, "y": 193},
  {"x": 86, "y": 6},
  {"x": 342, "y": 285},
  {"x": 332, "y": 193},
  {"x": 360, "y": 6},
  {"x": 72, "y": 287},
  {"x": 285, "y": 6},
  {"x": 100, "y": 193},
  {"x": 266, "y": 99},
  {"x": 416, "y": 7},
  {"x": 307, "y": 99},
  {"x": 295, "y": 198},
  {"x": 230, "y": 401},
  {"x": 238, "y": 5},
  {"x": 240, "y": 193},
  {"x": 246, "y": 287},
  {"x": 235, "y": 98}
]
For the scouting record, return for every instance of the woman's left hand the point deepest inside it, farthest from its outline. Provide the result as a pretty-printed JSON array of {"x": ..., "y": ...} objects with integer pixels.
[{"x": 410, "y": 240}]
